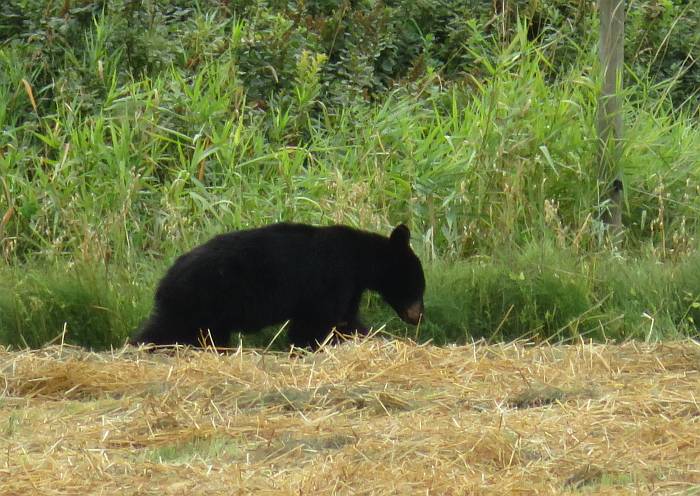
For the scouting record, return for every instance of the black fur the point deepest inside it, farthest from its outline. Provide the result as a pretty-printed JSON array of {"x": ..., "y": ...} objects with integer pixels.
[{"x": 313, "y": 276}]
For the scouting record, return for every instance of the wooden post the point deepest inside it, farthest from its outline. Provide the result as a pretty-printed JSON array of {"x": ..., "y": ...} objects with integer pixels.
[{"x": 611, "y": 53}]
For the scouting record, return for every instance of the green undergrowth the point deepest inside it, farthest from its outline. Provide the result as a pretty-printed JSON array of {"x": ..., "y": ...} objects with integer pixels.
[
  {"x": 541, "y": 292},
  {"x": 83, "y": 305},
  {"x": 545, "y": 293},
  {"x": 198, "y": 448}
]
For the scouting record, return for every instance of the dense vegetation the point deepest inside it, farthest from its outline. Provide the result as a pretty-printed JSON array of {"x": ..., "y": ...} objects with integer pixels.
[{"x": 132, "y": 130}]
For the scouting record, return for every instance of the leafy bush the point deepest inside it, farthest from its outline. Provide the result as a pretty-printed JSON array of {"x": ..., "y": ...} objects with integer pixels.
[{"x": 79, "y": 48}]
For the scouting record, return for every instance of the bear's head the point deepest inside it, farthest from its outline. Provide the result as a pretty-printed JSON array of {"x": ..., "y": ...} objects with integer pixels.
[{"x": 404, "y": 282}]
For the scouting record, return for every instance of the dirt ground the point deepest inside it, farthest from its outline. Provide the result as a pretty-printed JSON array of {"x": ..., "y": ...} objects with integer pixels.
[{"x": 374, "y": 417}]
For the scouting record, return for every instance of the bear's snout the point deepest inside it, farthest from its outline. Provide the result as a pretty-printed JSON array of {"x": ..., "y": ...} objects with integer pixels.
[{"x": 413, "y": 313}]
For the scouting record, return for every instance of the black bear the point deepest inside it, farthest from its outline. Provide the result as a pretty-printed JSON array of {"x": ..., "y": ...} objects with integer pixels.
[{"x": 312, "y": 276}]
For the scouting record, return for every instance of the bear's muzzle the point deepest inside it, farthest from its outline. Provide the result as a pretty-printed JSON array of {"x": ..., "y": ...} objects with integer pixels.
[{"x": 413, "y": 314}]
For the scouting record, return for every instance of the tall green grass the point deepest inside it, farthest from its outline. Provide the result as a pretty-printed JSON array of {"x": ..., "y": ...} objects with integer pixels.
[
  {"x": 497, "y": 176},
  {"x": 165, "y": 161},
  {"x": 539, "y": 292}
]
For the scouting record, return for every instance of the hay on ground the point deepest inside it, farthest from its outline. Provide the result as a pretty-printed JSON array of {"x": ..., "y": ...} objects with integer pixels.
[{"x": 371, "y": 417}]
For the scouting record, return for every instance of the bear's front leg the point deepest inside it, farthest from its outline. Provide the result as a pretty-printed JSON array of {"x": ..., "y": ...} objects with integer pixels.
[
  {"x": 308, "y": 334},
  {"x": 351, "y": 323},
  {"x": 352, "y": 326}
]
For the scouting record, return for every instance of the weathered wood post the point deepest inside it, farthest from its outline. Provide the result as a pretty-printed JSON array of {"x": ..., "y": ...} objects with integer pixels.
[{"x": 610, "y": 125}]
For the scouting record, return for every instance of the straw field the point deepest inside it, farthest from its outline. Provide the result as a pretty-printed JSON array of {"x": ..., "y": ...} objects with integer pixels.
[{"x": 373, "y": 417}]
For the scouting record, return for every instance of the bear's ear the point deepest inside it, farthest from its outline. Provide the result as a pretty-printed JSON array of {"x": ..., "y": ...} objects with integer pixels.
[{"x": 400, "y": 236}]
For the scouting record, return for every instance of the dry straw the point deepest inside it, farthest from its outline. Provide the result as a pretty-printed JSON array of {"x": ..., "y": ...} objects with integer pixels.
[{"x": 371, "y": 417}]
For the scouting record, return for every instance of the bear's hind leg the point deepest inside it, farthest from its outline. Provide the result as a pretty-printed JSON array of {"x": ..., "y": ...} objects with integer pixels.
[{"x": 164, "y": 331}]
